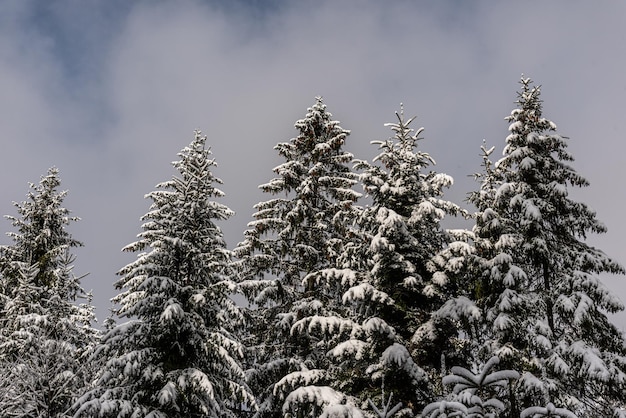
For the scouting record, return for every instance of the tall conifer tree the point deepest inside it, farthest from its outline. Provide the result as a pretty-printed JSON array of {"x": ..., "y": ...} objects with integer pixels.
[
  {"x": 394, "y": 296},
  {"x": 292, "y": 262},
  {"x": 176, "y": 354},
  {"x": 533, "y": 295},
  {"x": 45, "y": 336}
]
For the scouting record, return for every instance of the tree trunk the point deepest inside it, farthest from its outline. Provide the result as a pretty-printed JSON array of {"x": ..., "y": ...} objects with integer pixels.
[{"x": 548, "y": 296}]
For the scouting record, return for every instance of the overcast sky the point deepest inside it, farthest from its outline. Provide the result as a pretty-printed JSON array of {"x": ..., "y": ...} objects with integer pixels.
[{"x": 109, "y": 91}]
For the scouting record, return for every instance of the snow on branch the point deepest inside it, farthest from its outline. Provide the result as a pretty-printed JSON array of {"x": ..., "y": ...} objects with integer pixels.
[{"x": 314, "y": 396}]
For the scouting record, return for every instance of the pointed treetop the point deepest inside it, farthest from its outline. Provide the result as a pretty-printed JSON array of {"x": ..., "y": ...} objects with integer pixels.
[
  {"x": 528, "y": 116},
  {"x": 318, "y": 126},
  {"x": 406, "y": 135},
  {"x": 400, "y": 150}
]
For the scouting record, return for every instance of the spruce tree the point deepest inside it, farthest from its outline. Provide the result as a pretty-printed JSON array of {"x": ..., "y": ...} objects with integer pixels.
[
  {"x": 401, "y": 233},
  {"x": 294, "y": 270},
  {"x": 45, "y": 336},
  {"x": 568, "y": 333},
  {"x": 533, "y": 295},
  {"x": 176, "y": 354}
]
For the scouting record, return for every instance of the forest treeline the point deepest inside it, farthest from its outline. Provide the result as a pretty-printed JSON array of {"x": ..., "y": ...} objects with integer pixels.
[{"x": 353, "y": 310}]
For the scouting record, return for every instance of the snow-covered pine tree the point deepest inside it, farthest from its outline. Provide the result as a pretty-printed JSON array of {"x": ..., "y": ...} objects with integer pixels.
[
  {"x": 176, "y": 355},
  {"x": 541, "y": 302},
  {"x": 567, "y": 333},
  {"x": 401, "y": 233},
  {"x": 456, "y": 330},
  {"x": 293, "y": 268},
  {"x": 45, "y": 337}
]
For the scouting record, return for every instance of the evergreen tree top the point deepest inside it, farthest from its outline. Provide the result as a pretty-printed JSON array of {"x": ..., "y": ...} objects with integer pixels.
[
  {"x": 534, "y": 174},
  {"x": 533, "y": 146},
  {"x": 317, "y": 150},
  {"x": 402, "y": 145},
  {"x": 45, "y": 336},
  {"x": 316, "y": 181},
  {"x": 41, "y": 237},
  {"x": 318, "y": 128},
  {"x": 176, "y": 355},
  {"x": 44, "y": 213},
  {"x": 536, "y": 278}
]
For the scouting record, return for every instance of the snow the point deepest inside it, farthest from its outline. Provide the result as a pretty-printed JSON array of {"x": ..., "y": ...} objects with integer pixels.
[
  {"x": 592, "y": 363},
  {"x": 346, "y": 276},
  {"x": 440, "y": 278},
  {"x": 543, "y": 342},
  {"x": 378, "y": 326},
  {"x": 173, "y": 311},
  {"x": 556, "y": 363},
  {"x": 506, "y": 241},
  {"x": 198, "y": 299},
  {"x": 514, "y": 275},
  {"x": 503, "y": 322},
  {"x": 583, "y": 308},
  {"x": 527, "y": 163},
  {"x": 324, "y": 325},
  {"x": 410, "y": 282},
  {"x": 501, "y": 258},
  {"x": 380, "y": 243},
  {"x": 442, "y": 180},
  {"x": 341, "y": 411},
  {"x": 366, "y": 292},
  {"x": 396, "y": 356},
  {"x": 531, "y": 211},
  {"x": 516, "y": 126},
  {"x": 461, "y": 248},
  {"x": 316, "y": 395},
  {"x": 463, "y": 379},
  {"x": 548, "y": 411},
  {"x": 458, "y": 309},
  {"x": 530, "y": 383},
  {"x": 426, "y": 208},
  {"x": 297, "y": 379},
  {"x": 444, "y": 409},
  {"x": 355, "y": 349},
  {"x": 508, "y": 300},
  {"x": 558, "y": 188},
  {"x": 167, "y": 394},
  {"x": 504, "y": 190}
]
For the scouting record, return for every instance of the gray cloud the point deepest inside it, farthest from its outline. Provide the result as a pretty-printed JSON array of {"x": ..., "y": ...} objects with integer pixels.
[{"x": 110, "y": 94}]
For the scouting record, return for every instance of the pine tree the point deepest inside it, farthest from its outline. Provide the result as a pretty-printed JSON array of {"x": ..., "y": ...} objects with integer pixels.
[
  {"x": 401, "y": 233},
  {"x": 536, "y": 299},
  {"x": 176, "y": 354},
  {"x": 294, "y": 269},
  {"x": 404, "y": 223},
  {"x": 456, "y": 331},
  {"x": 45, "y": 337}
]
